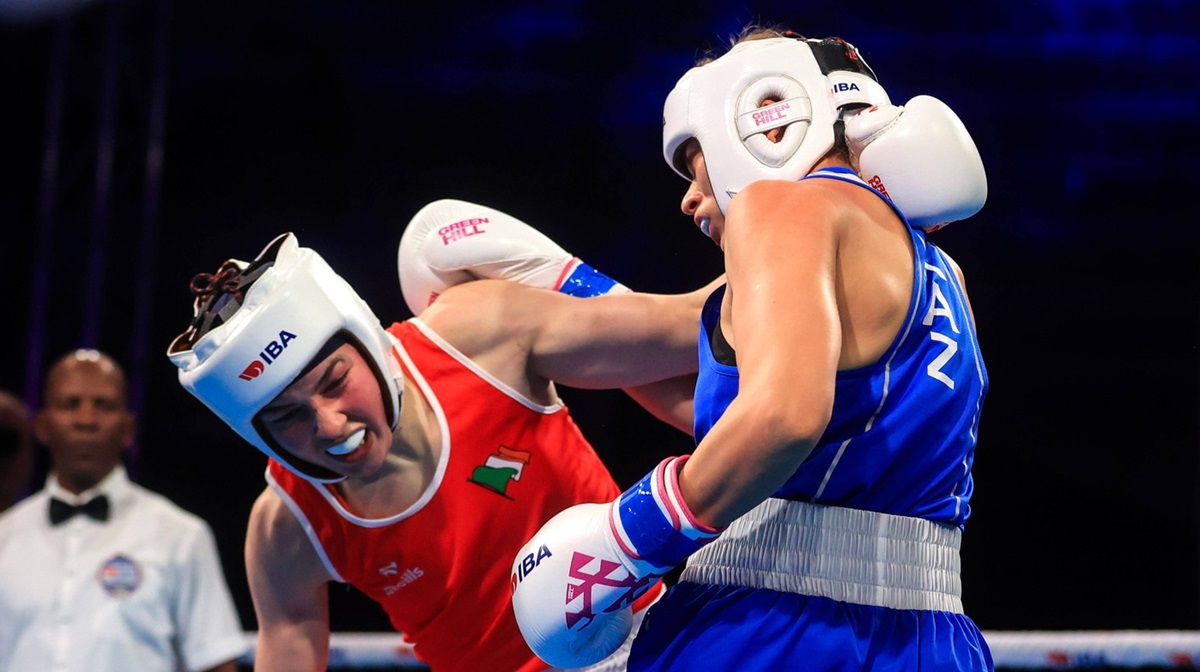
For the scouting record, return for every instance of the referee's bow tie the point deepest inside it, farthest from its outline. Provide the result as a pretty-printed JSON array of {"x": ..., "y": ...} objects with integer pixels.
[{"x": 61, "y": 512}]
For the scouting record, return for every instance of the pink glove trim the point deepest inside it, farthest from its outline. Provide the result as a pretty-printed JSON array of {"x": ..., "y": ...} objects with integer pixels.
[
  {"x": 675, "y": 501},
  {"x": 619, "y": 534},
  {"x": 566, "y": 272}
]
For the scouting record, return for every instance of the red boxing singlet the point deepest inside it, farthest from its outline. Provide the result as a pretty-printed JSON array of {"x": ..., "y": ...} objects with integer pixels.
[{"x": 440, "y": 569}]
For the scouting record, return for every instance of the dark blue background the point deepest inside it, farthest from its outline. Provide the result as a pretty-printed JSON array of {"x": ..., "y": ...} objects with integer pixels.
[{"x": 338, "y": 119}]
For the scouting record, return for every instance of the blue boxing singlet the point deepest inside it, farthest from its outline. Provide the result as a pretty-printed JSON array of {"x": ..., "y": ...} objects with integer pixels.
[{"x": 901, "y": 438}]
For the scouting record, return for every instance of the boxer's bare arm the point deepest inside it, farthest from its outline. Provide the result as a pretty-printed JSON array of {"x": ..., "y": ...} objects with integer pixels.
[{"x": 288, "y": 586}]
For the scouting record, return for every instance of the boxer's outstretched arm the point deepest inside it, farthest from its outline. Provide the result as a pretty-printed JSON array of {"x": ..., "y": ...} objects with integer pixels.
[
  {"x": 450, "y": 242},
  {"x": 607, "y": 342}
]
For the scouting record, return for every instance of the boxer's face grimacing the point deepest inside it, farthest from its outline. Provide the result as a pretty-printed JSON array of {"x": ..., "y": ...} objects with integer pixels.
[{"x": 333, "y": 414}]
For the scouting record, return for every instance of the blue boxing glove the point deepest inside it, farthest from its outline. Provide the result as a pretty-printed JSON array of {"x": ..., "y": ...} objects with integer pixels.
[{"x": 575, "y": 582}]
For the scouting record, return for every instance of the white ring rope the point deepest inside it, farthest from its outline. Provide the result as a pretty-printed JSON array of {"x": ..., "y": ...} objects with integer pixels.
[
  {"x": 1096, "y": 648},
  {"x": 1012, "y": 650},
  {"x": 356, "y": 650}
]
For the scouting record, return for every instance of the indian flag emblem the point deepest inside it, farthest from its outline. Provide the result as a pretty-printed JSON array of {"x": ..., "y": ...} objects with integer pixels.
[{"x": 505, "y": 465}]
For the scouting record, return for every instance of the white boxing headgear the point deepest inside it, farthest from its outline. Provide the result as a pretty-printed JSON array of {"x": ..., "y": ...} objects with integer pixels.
[
  {"x": 257, "y": 327},
  {"x": 720, "y": 105}
]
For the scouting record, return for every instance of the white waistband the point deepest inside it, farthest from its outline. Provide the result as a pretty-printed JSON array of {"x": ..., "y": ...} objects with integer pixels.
[{"x": 850, "y": 555}]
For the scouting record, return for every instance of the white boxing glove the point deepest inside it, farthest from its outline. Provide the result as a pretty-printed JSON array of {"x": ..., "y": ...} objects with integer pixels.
[
  {"x": 449, "y": 242},
  {"x": 922, "y": 158},
  {"x": 574, "y": 583},
  {"x": 575, "y": 555}
]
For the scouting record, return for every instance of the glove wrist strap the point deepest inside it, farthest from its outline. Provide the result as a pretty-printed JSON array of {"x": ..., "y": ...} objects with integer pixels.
[
  {"x": 581, "y": 280},
  {"x": 652, "y": 523}
]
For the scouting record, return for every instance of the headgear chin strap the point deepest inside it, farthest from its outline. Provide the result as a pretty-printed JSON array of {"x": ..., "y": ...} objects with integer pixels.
[
  {"x": 258, "y": 325},
  {"x": 720, "y": 105}
]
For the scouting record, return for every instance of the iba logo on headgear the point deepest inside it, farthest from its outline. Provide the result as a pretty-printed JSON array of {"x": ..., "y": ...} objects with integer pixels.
[{"x": 269, "y": 354}]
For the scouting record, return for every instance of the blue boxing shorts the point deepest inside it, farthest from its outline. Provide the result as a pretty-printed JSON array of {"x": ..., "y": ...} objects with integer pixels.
[
  {"x": 797, "y": 586},
  {"x": 707, "y": 627}
]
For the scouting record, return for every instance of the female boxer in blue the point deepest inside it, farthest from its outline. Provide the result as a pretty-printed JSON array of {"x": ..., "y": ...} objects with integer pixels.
[{"x": 838, "y": 401}]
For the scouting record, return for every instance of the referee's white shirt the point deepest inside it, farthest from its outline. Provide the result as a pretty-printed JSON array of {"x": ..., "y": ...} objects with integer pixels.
[{"x": 143, "y": 591}]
